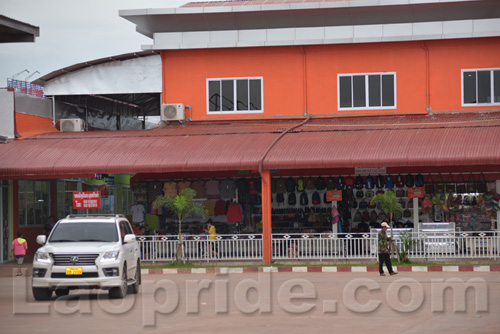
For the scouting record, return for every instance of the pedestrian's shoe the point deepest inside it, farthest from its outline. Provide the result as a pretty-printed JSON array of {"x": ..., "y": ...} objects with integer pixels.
[
  {"x": 394, "y": 273},
  {"x": 383, "y": 274}
]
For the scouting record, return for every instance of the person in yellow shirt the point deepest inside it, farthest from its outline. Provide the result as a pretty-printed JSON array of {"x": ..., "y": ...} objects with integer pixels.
[{"x": 212, "y": 247}]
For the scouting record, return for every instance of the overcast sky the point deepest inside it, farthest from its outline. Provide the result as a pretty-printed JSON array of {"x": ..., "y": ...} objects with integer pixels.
[{"x": 71, "y": 32}]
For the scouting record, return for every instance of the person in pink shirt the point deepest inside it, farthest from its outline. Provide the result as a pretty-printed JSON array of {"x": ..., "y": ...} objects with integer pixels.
[{"x": 19, "y": 247}]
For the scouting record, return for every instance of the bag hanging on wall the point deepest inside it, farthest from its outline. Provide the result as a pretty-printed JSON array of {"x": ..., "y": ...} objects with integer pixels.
[
  {"x": 429, "y": 186},
  {"x": 461, "y": 188}
]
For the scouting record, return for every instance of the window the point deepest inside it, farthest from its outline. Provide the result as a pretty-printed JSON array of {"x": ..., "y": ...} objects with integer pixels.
[
  {"x": 367, "y": 91},
  {"x": 34, "y": 202},
  {"x": 239, "y": 95},
  {"x": 481, "y": 87}
]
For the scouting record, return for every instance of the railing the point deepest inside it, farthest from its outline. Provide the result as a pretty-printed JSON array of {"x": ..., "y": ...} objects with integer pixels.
[{"x": 315, "y": 246}]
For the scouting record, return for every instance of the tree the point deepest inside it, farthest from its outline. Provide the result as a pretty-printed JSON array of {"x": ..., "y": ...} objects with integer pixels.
[
  {"x": 389, "y": 203},
  {"x": 183, "y": 207}
]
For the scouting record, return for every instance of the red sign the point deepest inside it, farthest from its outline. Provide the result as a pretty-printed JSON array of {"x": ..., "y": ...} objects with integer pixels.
[
  {"x": 416, "y": 192},
  {"x": 87, "y": 200},
  {"x": 334, "y": 195}
]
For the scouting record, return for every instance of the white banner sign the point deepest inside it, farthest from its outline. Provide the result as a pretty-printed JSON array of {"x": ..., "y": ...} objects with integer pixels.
[{"x": 370, "y": 170}]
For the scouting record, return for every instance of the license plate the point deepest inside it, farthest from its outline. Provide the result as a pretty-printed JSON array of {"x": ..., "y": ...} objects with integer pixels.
[{"x": 74, "y": 271}]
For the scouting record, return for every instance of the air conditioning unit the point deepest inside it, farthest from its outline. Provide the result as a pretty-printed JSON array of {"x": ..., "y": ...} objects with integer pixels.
[
  {"x": 172, "y": 112},
  {"x": 72, "y": 125}
]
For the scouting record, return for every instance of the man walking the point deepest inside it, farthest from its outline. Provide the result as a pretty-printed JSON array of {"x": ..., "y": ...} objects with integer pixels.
[{"x": 383, "y": 251}]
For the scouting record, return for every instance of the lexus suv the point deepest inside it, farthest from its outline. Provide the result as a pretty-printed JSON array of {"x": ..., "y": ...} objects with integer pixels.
[{"x": 87, "y": 252}]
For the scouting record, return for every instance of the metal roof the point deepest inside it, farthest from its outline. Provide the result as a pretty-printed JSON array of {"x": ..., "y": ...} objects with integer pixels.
[
  {"x": 13, "y": 31},
  {"x": 439, "y": 141}
]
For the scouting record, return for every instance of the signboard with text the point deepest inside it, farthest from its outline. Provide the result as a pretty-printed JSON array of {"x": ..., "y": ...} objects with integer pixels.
[
  {"x": 87, "y": 200},
  {"x": 416, "y": 192},
  {"x": 334, "y": 195}
]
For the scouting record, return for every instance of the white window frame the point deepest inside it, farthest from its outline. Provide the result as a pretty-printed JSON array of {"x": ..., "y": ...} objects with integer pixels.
[
  {"x": 492, "y": 87},
  {"x": 367, "y": 96},
  {"x": 246, "y": 112}
]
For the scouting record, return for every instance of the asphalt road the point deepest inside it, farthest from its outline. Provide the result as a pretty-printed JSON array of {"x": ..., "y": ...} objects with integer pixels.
[{"x": 465, "y": 302}]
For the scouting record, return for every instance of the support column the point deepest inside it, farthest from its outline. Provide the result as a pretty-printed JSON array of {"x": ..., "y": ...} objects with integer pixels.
[{"x": 266, "y": 215}]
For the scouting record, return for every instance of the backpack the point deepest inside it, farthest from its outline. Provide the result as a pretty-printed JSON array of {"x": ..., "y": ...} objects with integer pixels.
[
  {"x": 357, "y": 216},
  {"x": 363, "y": 204},
  {"x": 379, "y": 181},
  {"x": 366, "y": 216},
  {"x": 310, "y": 184},
  {"x": 301, "y": 184},
  {"x": 320, "y": 183},
  {"x": 340, "y": 184},
  {"x": 349, "y": 182},
  {"x": 360, "y": 194},
  {"x": 399, "y": 181},
  {"x": 373, "y": 216},
  {"x": 369, "y": 182},
  {"x": 292, "y": 199},
  {"x": 358, "y": 183},
  {"x": 290, "y": 185},
  {"x": 315, "y": 198},
  {"x": 419, "y": 180},
  {"x": 389, "y": 182},
  {"x": 280, "y": 198},
  {"x": 409, "y": 181},
  {"x": 369, "y": 194},
  {"x": 304, "y": 200},
  {"x": 331, "y": 184}
]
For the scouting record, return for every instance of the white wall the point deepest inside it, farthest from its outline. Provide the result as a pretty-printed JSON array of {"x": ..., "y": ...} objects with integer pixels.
[{"x": 6, "y": 113}]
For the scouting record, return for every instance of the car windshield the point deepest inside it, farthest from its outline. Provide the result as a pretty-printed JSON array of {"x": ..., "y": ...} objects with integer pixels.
[{"x": 78, "y": 232}]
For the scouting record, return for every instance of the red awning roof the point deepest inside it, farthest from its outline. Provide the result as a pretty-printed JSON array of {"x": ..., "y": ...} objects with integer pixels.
[{"x": 442, "y": 140}]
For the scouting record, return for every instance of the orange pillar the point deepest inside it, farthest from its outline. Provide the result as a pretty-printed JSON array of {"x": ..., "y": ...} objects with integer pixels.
[{"x": 266, "y": 215}]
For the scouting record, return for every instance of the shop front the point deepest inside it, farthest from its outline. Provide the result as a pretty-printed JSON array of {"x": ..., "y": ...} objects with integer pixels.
[{"x": 273, "y": 179}]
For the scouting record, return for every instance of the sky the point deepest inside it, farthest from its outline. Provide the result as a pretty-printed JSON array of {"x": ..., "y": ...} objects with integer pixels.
[{"x": 71, "y": 32}]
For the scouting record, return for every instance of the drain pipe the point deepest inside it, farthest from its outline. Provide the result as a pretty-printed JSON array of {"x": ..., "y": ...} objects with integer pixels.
[
  {"x": 427, "y": 78},
  {"x": 261, "y": 162},
  {"x": 266, "y": 197}
]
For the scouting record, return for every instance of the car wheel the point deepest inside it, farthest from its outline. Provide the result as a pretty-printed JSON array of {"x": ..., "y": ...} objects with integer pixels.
[
  {"x": 120, "y": 292},
  {"x": 42, "y": 293},
  {"x": 61, "y": 292},
  {"x": 134, "y": 288}
]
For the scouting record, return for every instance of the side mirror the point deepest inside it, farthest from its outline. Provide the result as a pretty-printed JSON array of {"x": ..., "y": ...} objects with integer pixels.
[
  {"x": 41, "y": 239},
  {"x": 129, "y": 238}
]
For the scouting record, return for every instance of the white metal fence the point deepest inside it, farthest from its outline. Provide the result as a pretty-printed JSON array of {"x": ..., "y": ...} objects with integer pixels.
[{"x": 315, "y": 246}]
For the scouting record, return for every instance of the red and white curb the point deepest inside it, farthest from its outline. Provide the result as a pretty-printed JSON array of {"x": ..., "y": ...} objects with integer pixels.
[{"x": 329, "y": 269}]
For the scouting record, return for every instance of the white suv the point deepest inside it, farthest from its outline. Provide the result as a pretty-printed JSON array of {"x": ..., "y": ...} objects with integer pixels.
[{"x": 87, "y": 252}]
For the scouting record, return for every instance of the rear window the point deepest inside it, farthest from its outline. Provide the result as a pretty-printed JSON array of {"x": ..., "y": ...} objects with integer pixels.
[{"x": 80, "y": 232}]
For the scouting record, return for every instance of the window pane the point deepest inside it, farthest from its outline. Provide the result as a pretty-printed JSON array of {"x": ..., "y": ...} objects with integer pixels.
[
  {"x": 255, "y": 94},
  {"x": 214, "y": 95},
  {"x": 359, "y": 90},
  {"x": 345, "y": 92},
  {"x": 374, "y": 90},
  {"x": 483, "y": 87},
  {"x": 388, "y": 90},
  {"x": 242, "y": 94},
  {"x": 22, "y": 203},
  {"x": 496, "y": 86},
  {"x": 469, "y": 87},
  {"x": 227, "y": 95}
]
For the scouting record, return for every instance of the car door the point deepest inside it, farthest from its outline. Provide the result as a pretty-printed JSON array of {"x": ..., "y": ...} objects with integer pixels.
[{"x": 130, "y": 249}]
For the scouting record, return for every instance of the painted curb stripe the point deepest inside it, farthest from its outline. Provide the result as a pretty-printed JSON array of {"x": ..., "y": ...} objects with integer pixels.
[{"x": 329, "y": 269}]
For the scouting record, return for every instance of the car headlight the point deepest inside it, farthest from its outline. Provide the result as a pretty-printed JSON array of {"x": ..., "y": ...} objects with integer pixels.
[
  {"x": 42, "y": 257},
  {"x": 110, "y": 256}
]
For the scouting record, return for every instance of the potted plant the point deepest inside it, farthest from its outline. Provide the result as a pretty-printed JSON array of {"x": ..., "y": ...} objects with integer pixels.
[{"x": 183, "y": 207}]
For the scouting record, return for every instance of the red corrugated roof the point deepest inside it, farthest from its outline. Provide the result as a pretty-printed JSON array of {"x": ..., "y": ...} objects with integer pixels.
[{"x": 399, "y": 141}]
